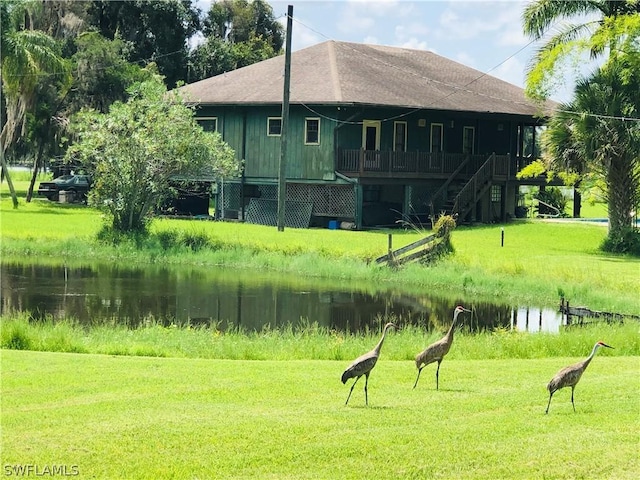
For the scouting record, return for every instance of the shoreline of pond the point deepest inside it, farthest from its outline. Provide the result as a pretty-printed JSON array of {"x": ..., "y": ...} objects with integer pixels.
[
  {"x": 231, "y": 299},
  {"x": 447, "y": 278},
  {"x": 309, "y": 342}
]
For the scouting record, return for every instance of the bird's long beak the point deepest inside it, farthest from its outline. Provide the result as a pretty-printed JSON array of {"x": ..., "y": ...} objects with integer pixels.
[{"x": 605, "y": 345}]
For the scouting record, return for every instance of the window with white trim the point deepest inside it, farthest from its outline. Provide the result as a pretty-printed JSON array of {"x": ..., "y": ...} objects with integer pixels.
[
  {"x": 312, "y": 131},
  {"x": 274, "y": 126}
]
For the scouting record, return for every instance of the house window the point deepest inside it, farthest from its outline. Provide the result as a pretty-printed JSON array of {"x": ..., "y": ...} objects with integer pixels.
[
  {"x": 400, "y": 136},
  {"x": 274, "y": 126},
  {"x": 468, "y": 140},
  {"x": 208, "y": 124},
  {"x": 496, "y": 193},
  {"x": 436, "y": 137},
  {"x": 312, "y": 131}
]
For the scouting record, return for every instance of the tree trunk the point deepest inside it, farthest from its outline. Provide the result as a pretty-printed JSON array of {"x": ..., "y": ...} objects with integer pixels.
[
  {"x": 5, "y": 169},
  {"x": 36, "y": 168},
  {"x": 621, "y": 193},
  {"x": 7, "y": 176},
  {"x": 577, "y": 200}
]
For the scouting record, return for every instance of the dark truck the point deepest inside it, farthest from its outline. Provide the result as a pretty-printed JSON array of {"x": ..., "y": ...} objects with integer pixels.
[{"x": 77, "y": 185}]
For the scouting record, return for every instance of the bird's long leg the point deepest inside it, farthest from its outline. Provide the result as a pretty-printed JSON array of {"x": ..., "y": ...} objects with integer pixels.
[
  {"x": 366, "y": 383},
  {"x": 354, "y": 384},
  {"x": 418, "y": 377},
  {"x": 574, "y": 405},
  {"x": 437, "y": 373},
  {"x": 550, "y": 395}
]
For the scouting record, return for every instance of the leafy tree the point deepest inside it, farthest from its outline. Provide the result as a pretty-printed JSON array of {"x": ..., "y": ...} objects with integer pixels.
[
  {"x": 101, "y": 73},
  {"x": 156, "y": 30},
  {"x": 608, "y": 27},
  {"x": 136, "y": 149},
  {"x": 25, "y": 55},
  {"x": 237, "y": 33},
  {"x": 590, "y": 135}
]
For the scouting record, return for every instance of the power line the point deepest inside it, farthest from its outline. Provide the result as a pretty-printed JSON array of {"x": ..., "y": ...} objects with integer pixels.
[{"x": 456, "y": 88}]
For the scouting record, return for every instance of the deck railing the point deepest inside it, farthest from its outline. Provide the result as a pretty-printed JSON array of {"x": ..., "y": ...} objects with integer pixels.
[
  {"x": 375, "y": 162},
  {"x": 467, "y": 196}
]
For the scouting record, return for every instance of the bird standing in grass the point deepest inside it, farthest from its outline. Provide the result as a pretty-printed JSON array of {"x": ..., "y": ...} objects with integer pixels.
[
  {"x": 436, "y": 351},
  {"x": 363, "y": 366},
  {"x": 569, "y": 376}
]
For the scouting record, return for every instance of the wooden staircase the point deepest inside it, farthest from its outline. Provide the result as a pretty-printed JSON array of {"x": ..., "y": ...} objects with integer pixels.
[{"x": 460, "y": 201}]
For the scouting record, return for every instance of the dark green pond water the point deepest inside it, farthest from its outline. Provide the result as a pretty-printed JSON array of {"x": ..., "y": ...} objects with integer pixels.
[{"x": 229, "y": 298}]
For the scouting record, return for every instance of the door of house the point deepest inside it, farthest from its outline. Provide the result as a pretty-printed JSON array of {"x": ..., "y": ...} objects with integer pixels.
[
  {"x": 469, "y": 140},
  {"x": 371, "y": 143},
  {"x": 371, "y": 134}
]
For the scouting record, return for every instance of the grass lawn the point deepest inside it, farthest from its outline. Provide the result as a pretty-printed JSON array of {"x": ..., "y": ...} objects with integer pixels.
[
  {"x": 539, "y": 262},
  {"x": 271, "y": 405},
  {"x": 156, "y": 418}
]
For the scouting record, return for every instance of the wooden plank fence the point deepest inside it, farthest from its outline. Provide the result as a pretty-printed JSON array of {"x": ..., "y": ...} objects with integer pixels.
[
  {"x": 583, "y": 312},
  {"x": 407, "y": 253}
]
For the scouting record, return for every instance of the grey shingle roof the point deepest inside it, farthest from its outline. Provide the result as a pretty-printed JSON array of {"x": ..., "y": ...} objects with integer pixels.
[{"x": 343, "y": 73}]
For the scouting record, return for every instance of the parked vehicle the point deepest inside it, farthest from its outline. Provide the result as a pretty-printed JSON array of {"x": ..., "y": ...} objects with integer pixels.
[{"x": 79, "y": 185}]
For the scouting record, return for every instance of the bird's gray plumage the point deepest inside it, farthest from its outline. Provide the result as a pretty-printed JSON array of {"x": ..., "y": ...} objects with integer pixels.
[
  {"x": 436, "y": 351},
  {"x": 363, "y": 366},
  {"x": 569, "y": 376}
]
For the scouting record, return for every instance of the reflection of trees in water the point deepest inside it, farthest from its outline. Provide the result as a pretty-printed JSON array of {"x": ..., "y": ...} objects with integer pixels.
[
  {"x": 429, "y": 313},
  {"x": 113, "y": 294}
]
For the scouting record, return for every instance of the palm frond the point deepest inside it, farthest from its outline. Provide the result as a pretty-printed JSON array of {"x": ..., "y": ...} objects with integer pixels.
[{"x": 540, "y": 15}]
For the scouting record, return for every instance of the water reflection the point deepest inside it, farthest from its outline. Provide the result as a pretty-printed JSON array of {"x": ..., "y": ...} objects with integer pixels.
[{"x": 113, "y": 294}]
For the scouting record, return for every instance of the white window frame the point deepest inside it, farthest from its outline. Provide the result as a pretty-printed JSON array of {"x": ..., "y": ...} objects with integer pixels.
[
  {"x": 269, "y": 134},
  {"x": 208, "y": 119},
  {"x": 395, "y": 134},
  {"x": 306, "y": 130},
  {"x": 441, "y": 125}
]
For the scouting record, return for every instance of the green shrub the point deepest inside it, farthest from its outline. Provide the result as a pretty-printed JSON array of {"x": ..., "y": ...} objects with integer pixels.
[
  {"x": 552, "y": 196},
  {"x": 626, "y": 242},
  {"x": 196, "y": 240},
  {"x": 168, "y": 239},
  {"x": 15, "y": 336}
]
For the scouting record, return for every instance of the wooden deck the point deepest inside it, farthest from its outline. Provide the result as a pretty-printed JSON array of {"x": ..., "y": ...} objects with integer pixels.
[{"x": 369, "y": 163}]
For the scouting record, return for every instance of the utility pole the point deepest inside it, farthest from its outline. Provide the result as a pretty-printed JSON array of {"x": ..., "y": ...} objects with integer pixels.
[{"x": 282, "y": 167}]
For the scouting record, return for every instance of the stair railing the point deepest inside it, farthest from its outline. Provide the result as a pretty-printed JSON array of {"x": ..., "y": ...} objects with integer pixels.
[
  {"x": 441, "y": 192},
  {"x": 469, "y": 192}
]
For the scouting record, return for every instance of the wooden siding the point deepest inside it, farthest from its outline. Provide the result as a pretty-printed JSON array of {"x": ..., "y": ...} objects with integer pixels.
[{"x": 244, "y": 128}]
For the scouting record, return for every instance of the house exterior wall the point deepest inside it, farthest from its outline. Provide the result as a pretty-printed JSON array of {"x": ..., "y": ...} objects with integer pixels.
[{"x": 245, "y": 130}]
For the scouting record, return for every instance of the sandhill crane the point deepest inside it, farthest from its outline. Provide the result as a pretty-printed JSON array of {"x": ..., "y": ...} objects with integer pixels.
[
  {"x": 363, "y": 366},
  {"x": 436, "y": 351},
  {"x": 569, "y": 376}
]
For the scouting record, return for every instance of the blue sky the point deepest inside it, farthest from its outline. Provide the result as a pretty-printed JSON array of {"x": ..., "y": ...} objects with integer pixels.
[{"x": 485, "y": 35}]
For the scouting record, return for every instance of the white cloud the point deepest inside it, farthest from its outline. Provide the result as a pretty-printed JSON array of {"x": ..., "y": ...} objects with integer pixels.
[
  {"x": 511, "y": 71},
  {"x": 413, "y": 29},
  {"x": 352, "y": 20},
  {"x": 466, "y": 59},
  {"x": 415, "y": 44},
  {"x": 378, "y": 8},
  {"x": 371, "y": 40}
]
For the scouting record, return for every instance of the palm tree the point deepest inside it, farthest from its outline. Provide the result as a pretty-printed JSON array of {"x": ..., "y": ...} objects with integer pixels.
[
  {"x": 25, "y": 55},
  {"x": 606, "y": 24},
  {"x": 599, "y": 132}
]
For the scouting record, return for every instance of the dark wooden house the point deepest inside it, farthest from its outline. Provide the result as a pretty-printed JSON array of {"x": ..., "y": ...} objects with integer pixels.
[{"x": 375, "y": 134}]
